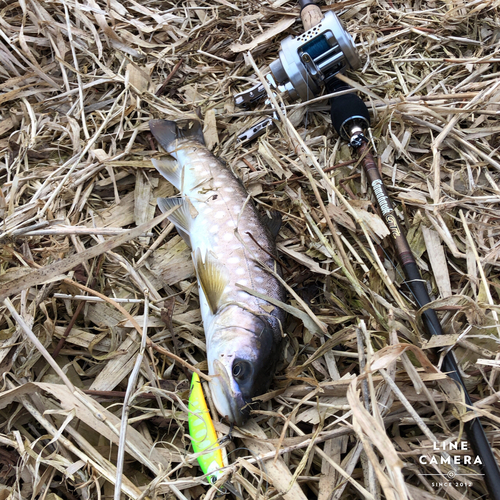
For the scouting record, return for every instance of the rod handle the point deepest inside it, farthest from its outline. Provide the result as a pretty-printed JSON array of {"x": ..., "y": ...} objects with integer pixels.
[{"x": 310, "y": 14}]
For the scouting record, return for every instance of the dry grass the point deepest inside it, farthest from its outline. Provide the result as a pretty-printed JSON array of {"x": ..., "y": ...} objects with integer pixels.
[{"x": 79, "y": 82}]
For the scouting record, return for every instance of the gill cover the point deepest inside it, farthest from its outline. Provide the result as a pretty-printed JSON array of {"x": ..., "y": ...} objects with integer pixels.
[{"x": 242, "y": 361}]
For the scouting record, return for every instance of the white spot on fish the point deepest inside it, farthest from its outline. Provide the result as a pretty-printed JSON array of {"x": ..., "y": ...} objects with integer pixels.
[
  {"x": 262, "y": 290},
  {"x": 240, "y": 271},
  {"x": 233, "y": 260},
  {"x": 243, "y": 282},
  {"x": 220, "y": 214},
  {"x": 229, "y": 189},
  {"x": 230, "y": 223},
  {"x": 218, "y": 184},
  {"x": 213, "y": 229},
  {"x": 213, "y": 164},
  {"x": 259, "y": 279},
  {"x": 242, "y": 295},
  {"x": 237, "y": 209},
  {"x": 227, "y": 237}
]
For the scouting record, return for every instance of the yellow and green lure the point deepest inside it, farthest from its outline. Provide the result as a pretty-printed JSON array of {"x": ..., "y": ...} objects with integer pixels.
[{"x": 202, "y": 432}]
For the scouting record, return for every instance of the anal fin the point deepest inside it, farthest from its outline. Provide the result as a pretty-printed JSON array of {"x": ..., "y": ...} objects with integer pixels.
[
  {"x": 170, "y": 169},
  {"x": 212, "y": 276}
]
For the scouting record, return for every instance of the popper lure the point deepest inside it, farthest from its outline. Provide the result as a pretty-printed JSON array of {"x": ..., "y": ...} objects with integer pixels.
[{"x": 202, "y": 432}]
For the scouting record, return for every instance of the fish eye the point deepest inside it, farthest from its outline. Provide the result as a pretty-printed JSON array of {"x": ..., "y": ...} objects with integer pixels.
[{"x": 241, "y": 370}]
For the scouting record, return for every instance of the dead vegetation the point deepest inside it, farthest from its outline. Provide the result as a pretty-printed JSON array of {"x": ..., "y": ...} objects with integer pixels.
[{"x": 357, "y": 406}]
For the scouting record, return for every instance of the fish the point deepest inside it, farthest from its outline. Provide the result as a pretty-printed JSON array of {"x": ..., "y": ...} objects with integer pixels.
[{"x": 231, "y": 245}]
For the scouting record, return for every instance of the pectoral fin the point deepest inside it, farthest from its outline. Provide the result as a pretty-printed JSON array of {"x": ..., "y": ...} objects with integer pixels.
[{"x": 212, "y": 276}]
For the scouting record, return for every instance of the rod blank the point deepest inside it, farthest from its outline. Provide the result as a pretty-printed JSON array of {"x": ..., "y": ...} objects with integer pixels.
[{"x": 352, "y": 127}]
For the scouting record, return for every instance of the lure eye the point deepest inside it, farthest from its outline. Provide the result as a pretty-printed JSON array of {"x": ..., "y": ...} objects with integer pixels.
[{"x": 241, "y": 370}]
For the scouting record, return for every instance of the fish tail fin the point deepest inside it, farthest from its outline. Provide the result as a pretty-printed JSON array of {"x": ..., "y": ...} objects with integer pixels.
[{"x": 167, "y": 132}]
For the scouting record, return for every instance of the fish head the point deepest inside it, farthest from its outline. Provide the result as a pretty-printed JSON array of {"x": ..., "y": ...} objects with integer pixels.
[{"x": 242, "y": 358}]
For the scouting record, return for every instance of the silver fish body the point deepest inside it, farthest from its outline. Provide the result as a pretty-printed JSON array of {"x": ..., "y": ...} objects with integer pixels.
[{"x": 243, "y": 332}]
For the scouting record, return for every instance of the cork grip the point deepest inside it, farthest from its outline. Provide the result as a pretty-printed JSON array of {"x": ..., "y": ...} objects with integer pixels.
[{"x": 311, "y": 16}]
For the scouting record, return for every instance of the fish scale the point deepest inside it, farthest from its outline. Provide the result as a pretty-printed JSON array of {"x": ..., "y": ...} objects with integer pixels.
[{"x": 216, "y": 219}]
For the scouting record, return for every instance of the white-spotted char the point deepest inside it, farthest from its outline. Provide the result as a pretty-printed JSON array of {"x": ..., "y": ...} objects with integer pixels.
[{"x": 222, "y": 227}]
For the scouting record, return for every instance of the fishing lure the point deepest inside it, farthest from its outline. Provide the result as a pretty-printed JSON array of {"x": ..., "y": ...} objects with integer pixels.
[{"x": 202, "y": 432}]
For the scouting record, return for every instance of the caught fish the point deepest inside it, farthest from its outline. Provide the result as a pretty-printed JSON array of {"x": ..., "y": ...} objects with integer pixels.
[{"x": 222, "y": 227}]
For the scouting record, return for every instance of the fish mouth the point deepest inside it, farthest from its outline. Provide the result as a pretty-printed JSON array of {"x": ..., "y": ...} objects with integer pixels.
[{"x": 234, "y": 402}]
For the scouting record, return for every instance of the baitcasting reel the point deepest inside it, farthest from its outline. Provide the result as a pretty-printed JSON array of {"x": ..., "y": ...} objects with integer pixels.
[{"x": 306, "y": 63}]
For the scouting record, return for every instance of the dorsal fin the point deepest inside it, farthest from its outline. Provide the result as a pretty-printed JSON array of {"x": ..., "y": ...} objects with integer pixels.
[
  {"x": 273, "y": 223},
  {"x": 212, "y": 276}
]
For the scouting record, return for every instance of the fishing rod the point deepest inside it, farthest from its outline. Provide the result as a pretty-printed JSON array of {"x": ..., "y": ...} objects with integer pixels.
[
  {"x": 351, "y": 120},
  {"x": 306, "y": 64}
]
